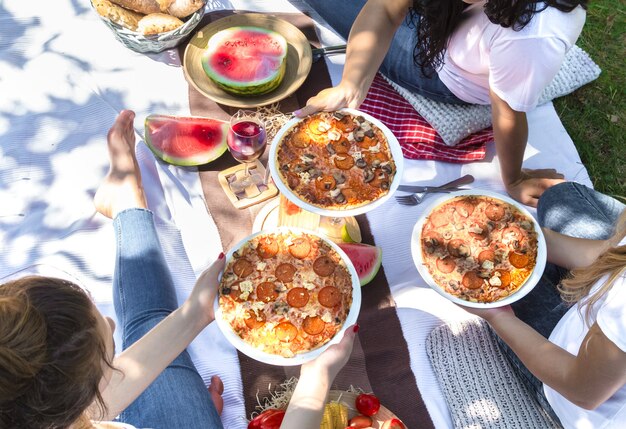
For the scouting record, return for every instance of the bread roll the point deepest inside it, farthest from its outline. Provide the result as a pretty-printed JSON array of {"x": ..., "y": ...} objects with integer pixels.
[
  {"x": 156, "y": 23},
  {"x": 117, "y": 14},
  {"x": 145, "y": 6},
  {"x": 183, "y": 8}
]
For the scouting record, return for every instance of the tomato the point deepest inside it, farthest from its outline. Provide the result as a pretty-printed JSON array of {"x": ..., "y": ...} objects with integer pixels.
[
  {"x": 268, "y": 419},
  {"x": 393, "y": 424},
  {"x": 368, "y": 405},
  {"x": 360, "y": 422}
]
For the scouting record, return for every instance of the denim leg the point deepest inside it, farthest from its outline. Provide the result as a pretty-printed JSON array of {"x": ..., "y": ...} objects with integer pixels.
[
  {"x": 143, "y": 295},
  {"x": 398, "y": 64},
  {"x": 578, "y": 211}
]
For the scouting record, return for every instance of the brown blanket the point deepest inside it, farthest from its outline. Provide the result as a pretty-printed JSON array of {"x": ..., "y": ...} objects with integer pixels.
[{"x": 379, "y": 361}]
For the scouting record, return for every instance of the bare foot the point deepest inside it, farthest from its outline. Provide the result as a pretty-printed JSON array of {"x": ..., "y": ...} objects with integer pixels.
[
  {"x": 216, "y": 388},
  {"x": 121, "y": 188}
]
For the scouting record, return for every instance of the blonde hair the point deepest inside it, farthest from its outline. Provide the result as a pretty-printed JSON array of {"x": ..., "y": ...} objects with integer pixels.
[{"x": 577, "y": 286}]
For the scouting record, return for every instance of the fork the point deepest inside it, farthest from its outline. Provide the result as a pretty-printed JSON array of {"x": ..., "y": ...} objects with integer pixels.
[
  {"x": 318, "y": 53},
  {"x": 416, "y": 198}
]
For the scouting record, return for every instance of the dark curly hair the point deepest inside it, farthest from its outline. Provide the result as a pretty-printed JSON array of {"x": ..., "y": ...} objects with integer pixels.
[
  {"x": 436, "y": 20},
  {"x": 52, "y": 354}
]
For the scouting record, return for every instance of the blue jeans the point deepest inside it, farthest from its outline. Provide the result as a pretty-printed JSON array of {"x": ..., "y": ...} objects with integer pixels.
[
  {"x": 575, "y": 210},
  {"x": 398, "y": 64},
  {"x": 143, "y": 295}
]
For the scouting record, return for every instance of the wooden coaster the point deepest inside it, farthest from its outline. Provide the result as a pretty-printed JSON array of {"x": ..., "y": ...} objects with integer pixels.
[{"x": 253, "y": 194}]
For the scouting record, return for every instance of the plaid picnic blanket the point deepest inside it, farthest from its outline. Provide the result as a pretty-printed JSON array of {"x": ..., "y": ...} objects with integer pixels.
[{"x": 418, "y": 138}]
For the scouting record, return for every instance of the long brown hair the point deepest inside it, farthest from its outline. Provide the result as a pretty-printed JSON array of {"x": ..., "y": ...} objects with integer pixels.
[
  {"x": 612, "y": 263},
  {"x": 52, "y": 354},
  {"x": 436, "y": 20}
]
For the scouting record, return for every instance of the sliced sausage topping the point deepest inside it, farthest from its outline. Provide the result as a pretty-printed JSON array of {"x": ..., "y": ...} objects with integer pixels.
[
  {"x": 253, "y": 321},
  {"x": 298, "y": 297},
  {"x": 286, "y": 332},
  {"x": 323, "y": 266},
  {"x": 446, "y": 265},
  {"x": 285, "y": 272},
  {"x": 313, "y": 325},
  {"x": 300, "y": 248},
  {"x": 266, "y": 292},
  {"x": 267, "y": 248},
  {"x": 243, "y": 268},
  {"x": 472, "y": 280},
  {"x": 329, "y": 296}
]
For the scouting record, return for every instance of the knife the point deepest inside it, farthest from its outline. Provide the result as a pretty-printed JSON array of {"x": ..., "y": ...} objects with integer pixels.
[{"x": 452, "y": 185}]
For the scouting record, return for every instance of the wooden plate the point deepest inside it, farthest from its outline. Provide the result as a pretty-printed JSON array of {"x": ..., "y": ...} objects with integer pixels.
[
  {"x": 348, "y": 398},
  {"x": 298, "y": 59}
]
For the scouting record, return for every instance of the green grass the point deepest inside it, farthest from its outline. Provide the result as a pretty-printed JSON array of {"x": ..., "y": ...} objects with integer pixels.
[{"x": 595, "y": 115}]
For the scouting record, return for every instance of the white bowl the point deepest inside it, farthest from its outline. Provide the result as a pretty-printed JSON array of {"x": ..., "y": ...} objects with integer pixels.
[
  {"x": 529, "y": 284},
  {"x": 396, "y": 153},
  {"x": 299, "y": 358}
]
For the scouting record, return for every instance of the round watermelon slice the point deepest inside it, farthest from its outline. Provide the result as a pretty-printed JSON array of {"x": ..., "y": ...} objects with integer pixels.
[
  {"x": 365, "y": 258},
  {"x": 246, "y": 61},
  {"x": 186, "y": 141}
]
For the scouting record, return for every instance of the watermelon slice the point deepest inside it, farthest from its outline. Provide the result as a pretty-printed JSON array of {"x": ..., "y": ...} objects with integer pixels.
[
  {"x": 246, "y": 61},
  {"x": 186, "y": 141},
  {"x": 365, "y": 258}
]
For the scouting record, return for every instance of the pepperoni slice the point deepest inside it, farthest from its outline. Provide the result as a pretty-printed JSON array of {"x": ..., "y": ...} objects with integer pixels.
[
  {"x": 266, "y": 292},
  {"x": 286, "y": 332},
  {"x": 329, "y": 296},
  {"x": 505, "y": 278},
  {"x": 313, "y": 325},
  {"x": 346, "y": 124},
  {"x": 446, "y": 265},
  {"x": 285, "y": 272},
  {"x": 367, "y": 142},
  {"x": 486, "y": 255},
  {"x": 344, "y": 162},
  {"x": 300, "y": 140},
  {"x": 297, "y": 297},
  {"x": 293, "y": 180},
  {"x": 440, "y": 218},
  {"x": 458, "y": 248},
  {"x": 464, "y": 207},
  {"x": 253, "y": 321},
  {"x": 370, "y": 157},
  {"x": 323, "y": 266},
  {"x": 512, "y": 234},
  {"x": 267, "y": 248},
  {"x": 243, "y": 268},
  {"x": 342, "y": 146},
  {"x": 300, "y": 248},
  {"x": 494, "y": 212},
  {"x": 318, "y": 127},
  {"x": 471, "y": 280},
  {"x": 325, "y": 183},
  {"x": 518, "y": 260}
]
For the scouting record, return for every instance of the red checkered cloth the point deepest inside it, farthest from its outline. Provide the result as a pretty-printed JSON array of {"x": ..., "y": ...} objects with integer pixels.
[{"x": 418, "y": 138}]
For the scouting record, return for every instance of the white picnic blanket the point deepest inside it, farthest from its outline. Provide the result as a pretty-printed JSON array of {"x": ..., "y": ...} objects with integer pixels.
[{"x": 64, "y": 78}]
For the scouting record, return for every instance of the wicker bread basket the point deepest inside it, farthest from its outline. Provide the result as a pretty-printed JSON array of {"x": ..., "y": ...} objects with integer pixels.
[{"x": 158, "y": 42}]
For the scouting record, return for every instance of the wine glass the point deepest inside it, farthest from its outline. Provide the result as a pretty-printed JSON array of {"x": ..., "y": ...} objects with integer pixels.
[{"x": 246, "y": 141}]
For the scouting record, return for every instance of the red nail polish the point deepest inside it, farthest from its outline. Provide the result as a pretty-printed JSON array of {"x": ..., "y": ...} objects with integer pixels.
[
  {"x": 355, "y": 328},
  {"x": 221, "y": 256}
]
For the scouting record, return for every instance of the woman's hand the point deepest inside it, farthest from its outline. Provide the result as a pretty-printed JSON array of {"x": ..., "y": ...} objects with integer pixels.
[
  {"x": 202, "y": 297},
  {"x": 334, "y": 358},
  {"x": 331, "y": 99},
  {"x": 532, "y": 183}
]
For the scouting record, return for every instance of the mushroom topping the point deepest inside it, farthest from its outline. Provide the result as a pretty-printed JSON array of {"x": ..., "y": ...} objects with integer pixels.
[
  {"x": 376, "y": 163},
  {"x": 359, "y": 135},
  {"x": 339, "y": 177},
  {"x": 387, "y": 168},
  {"x": 368, "y": 175},
  {"x": 330, "y": 149},
  {"x": 314, "y": 172},
  {"x": 338, "y": 115},
  {"x": 339, "y": 198},
  {"x": 384, "y": 185},
  {"x": 369, "y": 133},
  {"x": 360, "y": 119},
  {"x": 360, "y": 162}
]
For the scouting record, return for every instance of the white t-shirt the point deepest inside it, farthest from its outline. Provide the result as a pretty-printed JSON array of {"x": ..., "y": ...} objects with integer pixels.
[
  {"x": 517, "y": 65},
  {"x": 610, "y": 314}
]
